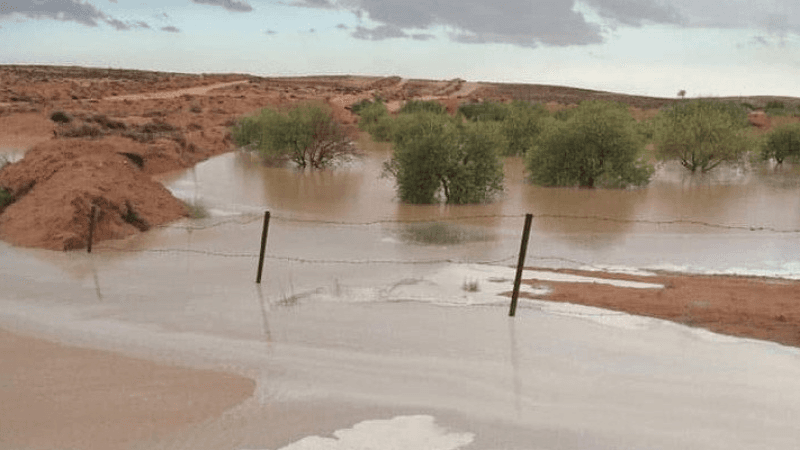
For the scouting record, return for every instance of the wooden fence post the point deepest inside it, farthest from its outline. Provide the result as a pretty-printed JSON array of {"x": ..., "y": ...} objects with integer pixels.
[
  {"x": 263, "y": 246},
  {"x": 92, "y": 216},
  {"x": 522, "y": 250}
]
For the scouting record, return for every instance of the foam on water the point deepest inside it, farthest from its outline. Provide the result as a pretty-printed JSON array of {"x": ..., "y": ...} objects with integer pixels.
[{"x": 399, "y": 433}]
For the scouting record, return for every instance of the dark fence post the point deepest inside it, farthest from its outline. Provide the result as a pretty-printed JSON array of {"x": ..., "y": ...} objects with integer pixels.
[
  {"x": 92, "y": 216},
  {"x": 263, "y": 246},
  {"x": 526, "y": 232}
]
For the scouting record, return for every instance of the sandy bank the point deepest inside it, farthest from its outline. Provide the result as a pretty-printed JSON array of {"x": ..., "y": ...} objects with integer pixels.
[{"x": 54, "y": 396}]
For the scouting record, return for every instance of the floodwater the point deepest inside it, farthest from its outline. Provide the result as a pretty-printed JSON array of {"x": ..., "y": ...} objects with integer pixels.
[{"x": 365, "y": 330}]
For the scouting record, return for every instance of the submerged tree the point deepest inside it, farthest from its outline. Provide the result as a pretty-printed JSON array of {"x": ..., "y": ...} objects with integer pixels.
[
  {"x": 782, "y": 142},
  {"x": 596, "y": 145},
  {"x": 435, "y": 153},
  {"x": 702, "y": 134},
  {"x": 306, "y": 134}
]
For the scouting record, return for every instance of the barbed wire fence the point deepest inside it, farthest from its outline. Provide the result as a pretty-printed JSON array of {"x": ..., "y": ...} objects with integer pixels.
[{"x": 245, "y": 219}]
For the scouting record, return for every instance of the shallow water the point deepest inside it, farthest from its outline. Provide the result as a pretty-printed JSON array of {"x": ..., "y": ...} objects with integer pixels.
[{"x": 365, "y": 322}]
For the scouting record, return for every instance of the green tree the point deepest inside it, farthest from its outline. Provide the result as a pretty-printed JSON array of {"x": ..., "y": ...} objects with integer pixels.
[
  {"x": 484, "y": 111},
  {"x": 415, "y": 106},
  {"x": 597, "y": 145},
  {"x": 782, "y": 142},
  {"x": 435, "y": 153},
  {"x": 702, "y": 134},
  {"x": 374, "y": 119},
  {"x": 522, "y": 125},
  {"x": 306, "y": 134}
]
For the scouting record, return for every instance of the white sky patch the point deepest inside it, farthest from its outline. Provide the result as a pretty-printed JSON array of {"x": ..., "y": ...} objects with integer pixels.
[{"x": 399, "y": 433}]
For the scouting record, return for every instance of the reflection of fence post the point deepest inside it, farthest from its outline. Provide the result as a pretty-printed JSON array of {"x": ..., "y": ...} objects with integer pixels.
[
  {"x": 522, "y": 250},
  {"x": 92, "y": 215},
  {"x": 263, "y": 246}
]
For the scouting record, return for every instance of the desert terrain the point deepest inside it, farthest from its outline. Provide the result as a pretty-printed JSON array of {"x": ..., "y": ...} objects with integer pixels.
[{"x": 125, "y": 131}]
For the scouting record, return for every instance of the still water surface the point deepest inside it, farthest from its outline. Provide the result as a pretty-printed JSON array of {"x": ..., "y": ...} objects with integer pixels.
[{"x": 731, "y": 220}]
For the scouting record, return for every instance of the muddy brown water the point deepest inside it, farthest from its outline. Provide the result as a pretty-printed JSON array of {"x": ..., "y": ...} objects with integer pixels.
[
  {"x": 731, "y": 220},
  {"x": 353, "y": 313}
]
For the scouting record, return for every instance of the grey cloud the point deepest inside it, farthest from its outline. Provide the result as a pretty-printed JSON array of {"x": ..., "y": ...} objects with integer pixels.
[
  {"x": 170, "y": 29},
  {"x": 141, "y": 24},
  {"x": 422, "y": 37},
  {"x": 63, "y": 10},
  {"x": 321, "y": 4},
  {"x": 118, "y": 24},
  {"x": 378, "y": 33},
  {"x": 636, "y": 12},
  {"x": 342, "y": 26},
  {"x": 230, "y": 5},
  {"x": 519, "y": 22},
  {"x": 776, "y": 17},
  {"x": 270, "y": 32}
]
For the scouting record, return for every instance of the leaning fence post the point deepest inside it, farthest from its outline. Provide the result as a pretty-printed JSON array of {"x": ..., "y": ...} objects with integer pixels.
[
  {"x": 263, "y": 246},
  {"x": 522, "y": 250},
  {"x": 92, "y": 215}
]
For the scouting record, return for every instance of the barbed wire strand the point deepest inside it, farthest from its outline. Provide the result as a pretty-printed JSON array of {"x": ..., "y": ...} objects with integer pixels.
[{"x": 248, "y": 218}]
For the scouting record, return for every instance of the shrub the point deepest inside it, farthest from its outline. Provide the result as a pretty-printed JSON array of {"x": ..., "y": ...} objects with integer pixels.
[
  {"x": 5, "y": 198},
  {"x": 415, "y": 106},
  {"x": 484, "y": 111},
  {"x": 597, "y": 145},
  {"x": 782, "y": 142},
  {"x": 84, "y": 130},
  {"x": 306, "y": 134},
  {"x": 522, "y": 126},
  {"x": 435, "y": 153},
  {"x": 376, "y": 121},
  {"x": 702, "y": 134},
  {"x": 60, "y": 117}
]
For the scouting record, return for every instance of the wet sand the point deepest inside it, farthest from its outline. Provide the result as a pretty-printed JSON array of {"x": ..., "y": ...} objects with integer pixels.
[
  {"x": 751, "y": 307},
  {"x": 54, "y": 396}
]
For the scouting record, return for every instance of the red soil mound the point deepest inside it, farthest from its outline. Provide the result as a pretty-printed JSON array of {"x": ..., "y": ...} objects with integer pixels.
[{"x": 62, "y": 179}]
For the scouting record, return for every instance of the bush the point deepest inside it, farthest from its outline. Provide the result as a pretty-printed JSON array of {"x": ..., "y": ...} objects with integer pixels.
[
  {"x": 782, "y": 142},
  {"x": 416, "y": 106},
  {"x": 484, "y": 111},
  {"x": 60, "y": 117},
  {"x": 702, "y": 134},
  {"x": 597, "y": 145},
  {"x": 435, "y": 153},
  {"x": 306, "y": 134},
  {"x": 5, "y": 199},
  {"x": 375, "y": 120},
  {"x": 522, "y": 126}
]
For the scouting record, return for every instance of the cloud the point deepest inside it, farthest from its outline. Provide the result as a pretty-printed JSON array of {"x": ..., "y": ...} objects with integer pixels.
[
  {"x": 230, "y": 5},
  {"x": 170, "y": 29},
  {"x": 530, "y": 23},
  {"x": 342, "y": 26},
  {"x": 270, "y": 32},
  {"x": 76, "y": 11},
  {"x": 519, "y": 22},
  {"x": 378, "y": 33},
  {"x": 636, "y": 12},
  {"x": 63, "y": 10},
  {"x": 422, "y": 37}
]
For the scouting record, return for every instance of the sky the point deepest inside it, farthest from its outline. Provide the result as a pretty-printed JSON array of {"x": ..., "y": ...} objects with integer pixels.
[{"x": 643, "y": 47}]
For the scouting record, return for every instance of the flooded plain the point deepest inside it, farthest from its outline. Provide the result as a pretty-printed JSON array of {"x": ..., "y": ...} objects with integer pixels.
[{"x": 365, "y": 330}]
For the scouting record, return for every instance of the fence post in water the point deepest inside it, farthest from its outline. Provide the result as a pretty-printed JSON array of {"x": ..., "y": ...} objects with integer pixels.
[
  {"x": 263, "y": 247},
  {"x": 92, "y": 216},
  {"x": 526, "y": 232}
]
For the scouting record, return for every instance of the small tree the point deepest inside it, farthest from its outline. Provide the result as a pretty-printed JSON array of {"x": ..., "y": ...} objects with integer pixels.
[
  {"x": 415, "y": 106},
  {"x": 374, "y": 119},
  {"x": 306, "y": 134},
  {"x": 702, "y": 134},
  {"x": 522, "y": 126},
  {"x": 597, "y": 145},
  {"x": 782, "y": 142},
  {"x": 435, "y": 153},
  {"x": 484, "y": 111}
]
